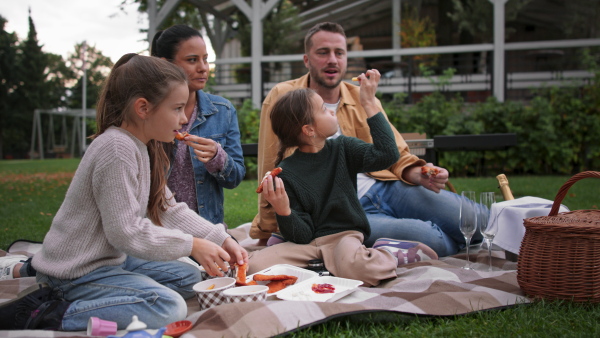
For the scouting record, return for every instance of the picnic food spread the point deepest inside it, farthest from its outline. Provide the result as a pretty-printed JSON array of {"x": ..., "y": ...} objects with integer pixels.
[{"x": 273, "y": 173}]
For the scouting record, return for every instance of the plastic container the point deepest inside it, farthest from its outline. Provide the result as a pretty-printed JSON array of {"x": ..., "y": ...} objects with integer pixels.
[{"x": 284, "y": 269}]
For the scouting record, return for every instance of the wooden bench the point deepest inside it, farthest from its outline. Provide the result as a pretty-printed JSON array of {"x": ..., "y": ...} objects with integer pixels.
[
  {"x": 427, "y": 149},
  {"x": 481, "y": 142},
  {"x": 250, "y": 149},
  {"x": 418, "y": 144},
  {"x": 475, "y": 142}
]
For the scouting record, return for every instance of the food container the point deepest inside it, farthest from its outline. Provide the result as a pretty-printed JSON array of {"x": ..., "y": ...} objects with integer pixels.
[
  {"x": 304, "y": 291},
  {"x": 250, "y": 293},
  {"x": 210, "y": 292},
  {"x": 284, "y": 269}
]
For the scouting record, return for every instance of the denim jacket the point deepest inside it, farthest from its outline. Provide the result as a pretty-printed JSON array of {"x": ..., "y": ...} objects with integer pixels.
[{"x": 216, "y": 120}]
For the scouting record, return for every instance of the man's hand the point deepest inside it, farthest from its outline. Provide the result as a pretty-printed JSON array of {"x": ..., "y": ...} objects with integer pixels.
[{"x": 433, "y": 183}]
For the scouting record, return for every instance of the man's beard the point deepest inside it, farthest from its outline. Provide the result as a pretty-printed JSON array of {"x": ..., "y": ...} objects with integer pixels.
[{"x": 314, "y": 76}]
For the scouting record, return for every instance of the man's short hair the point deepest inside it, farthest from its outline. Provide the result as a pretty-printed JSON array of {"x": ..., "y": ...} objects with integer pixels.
[{"x": 323, "y": 26}]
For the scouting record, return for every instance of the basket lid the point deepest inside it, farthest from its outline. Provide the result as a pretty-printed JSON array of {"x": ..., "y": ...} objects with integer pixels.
[{"x": 588, "y": 219}]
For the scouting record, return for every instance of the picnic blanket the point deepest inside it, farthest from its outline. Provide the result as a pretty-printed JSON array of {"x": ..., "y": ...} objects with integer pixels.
[{"x": 434, "y": 288}]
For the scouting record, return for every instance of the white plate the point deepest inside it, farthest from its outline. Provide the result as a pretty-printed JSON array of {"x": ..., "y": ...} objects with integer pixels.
[
  {"x": 284, "y": 269},
  {"x": 303, "y": 291}
]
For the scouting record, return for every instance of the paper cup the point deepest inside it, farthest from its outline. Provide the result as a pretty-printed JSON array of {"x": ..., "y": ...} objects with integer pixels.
[
  {"x": 209, "y": 296},
  {"x": 250, "y": 293},
  {"x": 100, "y": 327}
]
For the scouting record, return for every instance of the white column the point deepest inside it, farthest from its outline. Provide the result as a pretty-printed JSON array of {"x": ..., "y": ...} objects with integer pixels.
[
  {"x": 499, "y": 53},
  {"x": 83, "y": 98},
  {"x": 257, "y": 48},
  {"x": 152, "y": 24},
  {"x": 156, "y": 17},
  {"x": 396, "y": 20},
  {"x": 256, "y": 14},
  {"x": 37, "y": 131}
]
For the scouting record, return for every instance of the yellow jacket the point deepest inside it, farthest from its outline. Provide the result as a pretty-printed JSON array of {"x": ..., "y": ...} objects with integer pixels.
[{"x": 353, "y": 122}]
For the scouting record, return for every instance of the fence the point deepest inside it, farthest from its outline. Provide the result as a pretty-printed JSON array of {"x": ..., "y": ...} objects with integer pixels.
[{"x": 527, "y": 66}]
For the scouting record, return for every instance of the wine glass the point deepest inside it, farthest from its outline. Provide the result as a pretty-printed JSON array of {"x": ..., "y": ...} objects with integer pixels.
[
  {"x": 488, "y": 229},
  {"x": 468, "y": 219}
]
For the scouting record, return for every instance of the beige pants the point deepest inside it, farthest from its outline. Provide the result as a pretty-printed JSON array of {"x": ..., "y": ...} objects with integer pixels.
[{"x": 343, "y": 253}]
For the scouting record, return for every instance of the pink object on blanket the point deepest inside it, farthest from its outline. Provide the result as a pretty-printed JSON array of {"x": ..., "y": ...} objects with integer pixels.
[{"x": 101, "y": 327}]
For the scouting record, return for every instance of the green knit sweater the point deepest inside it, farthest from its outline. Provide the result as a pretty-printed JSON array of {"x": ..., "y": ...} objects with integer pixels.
[{"x": 322, "y": 186}]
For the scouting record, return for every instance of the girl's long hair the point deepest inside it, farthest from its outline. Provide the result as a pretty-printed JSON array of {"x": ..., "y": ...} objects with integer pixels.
[
  {"x": 292, "y": 111},
  {"x": 132, "y": 77}
]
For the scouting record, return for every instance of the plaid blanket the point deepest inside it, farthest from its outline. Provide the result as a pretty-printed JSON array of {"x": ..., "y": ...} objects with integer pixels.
[{"x": 435, "y": 288}]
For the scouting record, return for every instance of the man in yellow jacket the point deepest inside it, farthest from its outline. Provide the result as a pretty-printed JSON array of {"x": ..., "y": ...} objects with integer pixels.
[{"x": 400, "y": 202}]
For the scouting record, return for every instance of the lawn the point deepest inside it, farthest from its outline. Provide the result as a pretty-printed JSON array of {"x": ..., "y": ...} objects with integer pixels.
[{"x": 31, "y": 192}]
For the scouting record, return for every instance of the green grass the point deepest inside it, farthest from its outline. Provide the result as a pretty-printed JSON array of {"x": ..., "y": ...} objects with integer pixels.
[
  {"x": 31, "y": 192},
  {"x": 552, "y": 319}
]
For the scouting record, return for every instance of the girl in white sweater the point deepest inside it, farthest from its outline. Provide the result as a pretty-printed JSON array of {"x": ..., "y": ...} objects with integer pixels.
[{"x": 113, "y": 246}]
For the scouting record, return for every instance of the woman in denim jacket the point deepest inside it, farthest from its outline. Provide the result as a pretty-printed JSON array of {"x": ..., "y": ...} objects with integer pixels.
[{"x": 210, "y": 157}]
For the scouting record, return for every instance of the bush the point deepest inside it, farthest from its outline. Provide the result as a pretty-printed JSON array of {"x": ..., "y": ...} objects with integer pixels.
[
  {"x": 557, "y": 131},
  {"x": 249, "y": 119}
]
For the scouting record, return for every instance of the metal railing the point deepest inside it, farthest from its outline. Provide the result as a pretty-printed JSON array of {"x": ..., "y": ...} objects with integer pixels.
[{"x": 528, "y": 65}]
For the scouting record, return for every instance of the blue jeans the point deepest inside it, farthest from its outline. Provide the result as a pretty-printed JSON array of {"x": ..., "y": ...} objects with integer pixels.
[
  {"x": 154, "y": 291},
  {"x": 401, "y": 211}
]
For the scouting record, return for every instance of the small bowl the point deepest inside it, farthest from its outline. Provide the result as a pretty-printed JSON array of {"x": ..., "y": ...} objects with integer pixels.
[
  {"x": 250, "y": 293},
  {"x": 209, "y": 296},
  {"x": 231, "y": 272},
  {"x": 178, "y": 328}
]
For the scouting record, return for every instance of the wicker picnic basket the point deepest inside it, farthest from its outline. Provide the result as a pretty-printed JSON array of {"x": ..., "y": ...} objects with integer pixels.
[{"x": 560, "y": 253}]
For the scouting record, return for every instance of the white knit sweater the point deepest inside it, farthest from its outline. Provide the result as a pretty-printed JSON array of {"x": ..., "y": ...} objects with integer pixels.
[{"x": 103, "y": 216}]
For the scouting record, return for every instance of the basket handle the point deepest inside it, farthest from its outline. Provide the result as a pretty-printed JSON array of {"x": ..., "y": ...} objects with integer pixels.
[{"x": 562, "y": 192}]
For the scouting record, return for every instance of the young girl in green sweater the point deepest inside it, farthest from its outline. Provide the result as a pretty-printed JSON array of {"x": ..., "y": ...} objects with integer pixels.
[{"x": 314, "y": 197}]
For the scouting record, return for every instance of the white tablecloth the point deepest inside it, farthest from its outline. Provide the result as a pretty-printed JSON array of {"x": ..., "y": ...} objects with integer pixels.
[{"x": 509, "y": 216}]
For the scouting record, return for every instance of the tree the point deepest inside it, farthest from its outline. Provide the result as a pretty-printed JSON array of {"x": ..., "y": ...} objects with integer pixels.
[
  {"x": 476, "y": 17},
  {"x": 9, "y": 76},
  {"x": 582, "y": 19},
  {"x": 217, "y": 25},
  {"x": 97, "y": 69},
  {"x": 278, "y": 26},
  {"x": 418, "y": 32},
  {"x": 31, "y": 92},
  {"x": 186, "y": 13}
]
